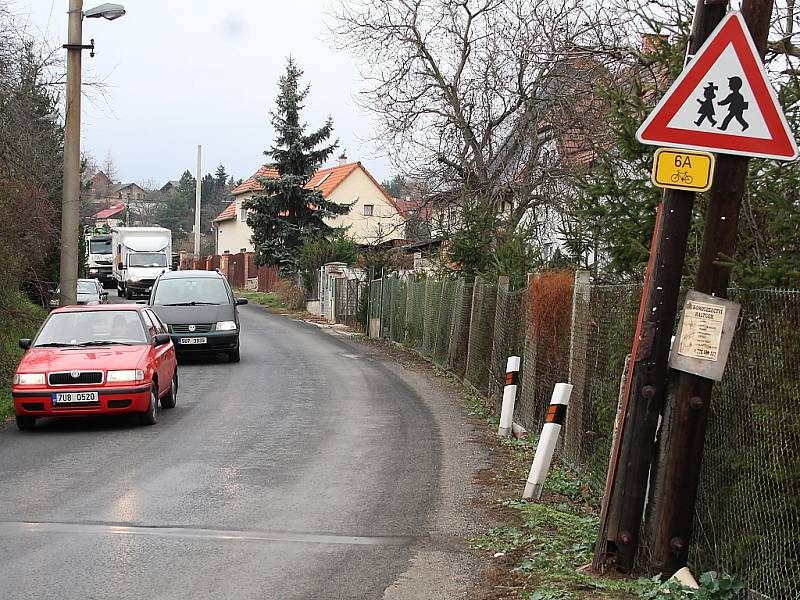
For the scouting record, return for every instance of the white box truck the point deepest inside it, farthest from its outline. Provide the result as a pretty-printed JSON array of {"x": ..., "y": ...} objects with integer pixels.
[{"x": 140, "y": 255}]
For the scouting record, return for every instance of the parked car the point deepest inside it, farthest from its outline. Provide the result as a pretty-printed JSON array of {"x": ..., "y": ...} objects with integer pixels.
[
  {"x": 200, "y": 311},
  {"x": 102, "y": 359},
  {"x": 90, "y": 291}
]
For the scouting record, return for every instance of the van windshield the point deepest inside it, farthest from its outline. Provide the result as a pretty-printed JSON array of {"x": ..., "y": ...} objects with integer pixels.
[
  {"x": 147, "y": 259},
  {"x": 191, "y": 290}
]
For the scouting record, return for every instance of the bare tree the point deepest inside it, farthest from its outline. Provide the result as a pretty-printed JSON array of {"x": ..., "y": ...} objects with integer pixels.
[{"x": 466, "y": 91}]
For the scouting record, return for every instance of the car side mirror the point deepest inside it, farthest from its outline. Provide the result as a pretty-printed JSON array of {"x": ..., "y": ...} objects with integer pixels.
[
  {"x": 161, "y": 339},
  {"x": 25, "y": 343},
  {"x": 240, "y": 301}
]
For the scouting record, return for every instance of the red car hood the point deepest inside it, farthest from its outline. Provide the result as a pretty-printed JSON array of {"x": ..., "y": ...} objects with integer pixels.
[{"x": 45, "y": 360}]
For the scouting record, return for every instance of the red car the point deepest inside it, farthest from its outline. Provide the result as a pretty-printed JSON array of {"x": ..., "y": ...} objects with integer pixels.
[{"x": 104, "y": 359}]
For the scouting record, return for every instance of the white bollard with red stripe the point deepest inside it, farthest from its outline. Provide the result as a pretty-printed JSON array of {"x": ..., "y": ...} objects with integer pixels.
[
  {"x": 547, "y": 442},
  {"x": 509, "y": 397}
]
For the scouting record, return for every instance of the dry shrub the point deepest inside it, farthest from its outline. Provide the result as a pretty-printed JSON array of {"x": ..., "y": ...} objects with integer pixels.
[
  {"x": 291, "y": 294},
  {"x": 550, "y": 304}
]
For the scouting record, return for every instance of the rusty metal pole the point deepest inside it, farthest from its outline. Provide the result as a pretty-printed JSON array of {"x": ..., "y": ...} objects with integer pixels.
[
  {"x": 645, "y": 390},
  {"x": 683, "y": 459}
]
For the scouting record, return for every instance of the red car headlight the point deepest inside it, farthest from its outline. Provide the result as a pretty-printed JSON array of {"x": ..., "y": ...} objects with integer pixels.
[
  {"x": 29, "y": 379},
  {"x": 127, "y": 375}
]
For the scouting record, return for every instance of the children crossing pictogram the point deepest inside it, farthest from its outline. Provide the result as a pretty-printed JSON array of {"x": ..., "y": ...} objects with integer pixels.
[
  {"x": 722, "y": 102},
  {"x": 736, "y": 104},
  {"x": 707, "y": 104}
]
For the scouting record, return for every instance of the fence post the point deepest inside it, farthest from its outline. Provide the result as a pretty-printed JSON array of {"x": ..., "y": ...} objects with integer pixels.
[
  {"x": 392, "y": 300},
  {"x": 578, "y": 341},
  {"x": 457, "y": 325},
  {"x": 411, "y": 285},
  {"x": 475, "y": 312},
  {"x": 497, "y": 353},
  {"x": 437, "y": 338}
]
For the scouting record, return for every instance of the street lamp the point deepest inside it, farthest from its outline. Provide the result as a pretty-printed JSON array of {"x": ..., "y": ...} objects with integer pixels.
[{"x": 70, "y": 206}]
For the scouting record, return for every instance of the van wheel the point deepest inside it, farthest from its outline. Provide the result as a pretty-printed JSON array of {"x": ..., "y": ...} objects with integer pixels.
[{"x": 25, "y": 422}]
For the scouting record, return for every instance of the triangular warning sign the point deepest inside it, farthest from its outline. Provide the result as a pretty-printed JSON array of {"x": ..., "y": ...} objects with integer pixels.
[{"x": 722, "y": 102}]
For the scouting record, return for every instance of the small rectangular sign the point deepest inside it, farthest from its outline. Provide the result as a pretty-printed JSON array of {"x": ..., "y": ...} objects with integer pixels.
[
  {"x": 702, "y": 330},
  {"x": 704, "y": 336},
  {"x": 688, "y": 170}
]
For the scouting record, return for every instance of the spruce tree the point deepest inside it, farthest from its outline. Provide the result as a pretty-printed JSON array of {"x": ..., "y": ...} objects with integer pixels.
[{"x": 286, "y": 213}]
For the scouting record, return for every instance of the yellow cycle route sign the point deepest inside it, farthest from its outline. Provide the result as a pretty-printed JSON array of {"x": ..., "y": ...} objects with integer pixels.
[{"x": 683, "y": 169}]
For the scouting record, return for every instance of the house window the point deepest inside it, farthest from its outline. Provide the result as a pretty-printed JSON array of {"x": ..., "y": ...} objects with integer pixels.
[
  {"x": 243, "y": 214},
  {"x": 368, "y": 210}
]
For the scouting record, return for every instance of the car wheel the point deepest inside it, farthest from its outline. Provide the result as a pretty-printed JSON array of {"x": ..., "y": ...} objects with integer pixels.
[
  {"x": 233, "y": 356},
  {"x": 25, "y": 422},
  {"x": 150, "y": 416},
  {"x": 171, "y": 398}
]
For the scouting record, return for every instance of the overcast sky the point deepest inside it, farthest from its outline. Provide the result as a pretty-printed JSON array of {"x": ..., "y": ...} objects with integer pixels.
[{"x": 186, "y": 72}]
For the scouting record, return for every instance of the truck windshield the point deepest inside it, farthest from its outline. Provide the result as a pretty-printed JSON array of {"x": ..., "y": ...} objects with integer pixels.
[
  {"x": 92, "y": 328},
  {"x": 200, "y": 290},
  {"x": 100, "y": 246},
  {"x": 147, "y": 259}
]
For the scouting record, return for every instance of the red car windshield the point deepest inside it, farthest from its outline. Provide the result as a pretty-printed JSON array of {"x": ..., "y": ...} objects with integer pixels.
[{"x": 91, "y": 328}]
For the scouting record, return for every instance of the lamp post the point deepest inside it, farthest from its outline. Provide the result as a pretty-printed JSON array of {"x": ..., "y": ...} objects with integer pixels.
[{"x": 70, "y": 206}]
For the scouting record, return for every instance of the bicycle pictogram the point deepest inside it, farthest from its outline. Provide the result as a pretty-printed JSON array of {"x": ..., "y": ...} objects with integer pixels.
[{"x": 681, "y": 177}]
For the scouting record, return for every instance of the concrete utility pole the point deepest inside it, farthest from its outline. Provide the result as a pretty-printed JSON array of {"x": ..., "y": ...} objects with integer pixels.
[
  {"x": 197, "y": 195},
  {"x": 645, "y": 388},
  {"x": 70, "y": 206},
  {"x": 687, "y": 434}
]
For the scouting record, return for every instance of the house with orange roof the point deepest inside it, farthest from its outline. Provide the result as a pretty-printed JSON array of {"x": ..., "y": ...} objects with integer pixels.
[{"x": 374, "y": 217}]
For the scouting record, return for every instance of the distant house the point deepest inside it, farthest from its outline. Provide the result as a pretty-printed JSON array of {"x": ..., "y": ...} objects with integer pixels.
[
  {"x": 169, "y": 186},
  {"x": 373, "y": 219},
  {"x": 113, "y": 216},
  {"x": 126, "y": 191}
]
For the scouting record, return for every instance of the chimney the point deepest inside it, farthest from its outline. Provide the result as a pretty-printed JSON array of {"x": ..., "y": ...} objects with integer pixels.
[
  {"x": 343, "y": 158},
  {"x": 651, "y": 42}
]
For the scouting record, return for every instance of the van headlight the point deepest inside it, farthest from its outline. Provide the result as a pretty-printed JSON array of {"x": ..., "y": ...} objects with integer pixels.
[
  {"x": 133, "y": 279},
  {"x": 127, "y": 375},
  {"x": 226, "y": 326},
  {"x": 29, "y": 379}
]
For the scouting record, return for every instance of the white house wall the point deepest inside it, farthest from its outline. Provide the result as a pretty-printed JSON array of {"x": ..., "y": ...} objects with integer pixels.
[
  {"x": 233, "y": 235},
  {"x": 385, "y": 223}
]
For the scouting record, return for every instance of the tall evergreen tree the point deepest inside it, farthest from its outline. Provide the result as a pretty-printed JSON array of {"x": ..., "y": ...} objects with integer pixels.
[
  {"x": 287, "y": 213},
  {"x": 221, "y": 176}
]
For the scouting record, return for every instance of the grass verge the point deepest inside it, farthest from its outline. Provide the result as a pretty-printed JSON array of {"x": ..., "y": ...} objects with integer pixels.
[
  {"x": 21, "y": 320},
  {"x": 537, "y": 549},
  {"x": 267, "y": 299}
]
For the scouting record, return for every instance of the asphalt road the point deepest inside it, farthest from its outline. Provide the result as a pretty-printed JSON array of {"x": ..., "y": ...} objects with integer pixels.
[{"x": 307, "y": 471}]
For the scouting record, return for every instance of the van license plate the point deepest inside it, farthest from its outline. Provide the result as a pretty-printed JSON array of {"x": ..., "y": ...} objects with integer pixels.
[
  {"x": 193, "y": 341},
  {"x": 75, "y": 397}
]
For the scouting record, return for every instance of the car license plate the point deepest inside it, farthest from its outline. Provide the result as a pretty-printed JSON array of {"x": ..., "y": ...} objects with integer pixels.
[
  {"x": 193, "y": 341},
  {"x": 75, "y": 397}
]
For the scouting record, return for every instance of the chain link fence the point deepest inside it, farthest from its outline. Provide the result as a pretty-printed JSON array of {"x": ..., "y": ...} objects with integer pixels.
[
  {"x": 566, "y": 329},
  {"x": 748, "y": 510}
]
